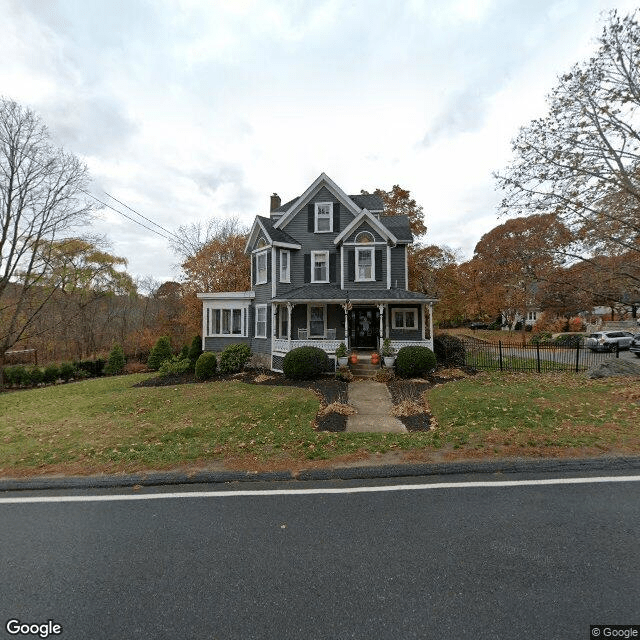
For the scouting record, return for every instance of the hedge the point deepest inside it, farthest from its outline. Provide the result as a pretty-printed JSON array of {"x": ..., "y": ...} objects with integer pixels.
[
  {"x": 414, "y": 361},
  {"x": 305, "y": 363}
]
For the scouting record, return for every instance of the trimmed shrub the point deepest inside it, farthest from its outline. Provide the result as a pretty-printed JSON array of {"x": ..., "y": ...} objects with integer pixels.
[
  {"x": 161, "y": 351},
  {"x": 234, "y": 358},
  {"x": 543, "y": 337},
  {"x": 305, "y": 363},
  {"x": 195, "y": 351},
  {"x": 175, "y": 367},
  {"x": 51, "y": 373},
  {"x": 116, "y": 362},
  {"x": 206, "y": 365},
  {"x": 92, "y": 368},
  {"x": 572, "y": 341},
  {"x": 449, "y": 350},
  {"x": 415, "y": 361},
  {"x": 36, "y": 375},
  {"x": 16, "y": 374},
  {"x": 184, "y": 352},
  {"x": 66, "y": 371}
]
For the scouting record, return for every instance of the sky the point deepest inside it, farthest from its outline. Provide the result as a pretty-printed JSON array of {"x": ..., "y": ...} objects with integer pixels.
[{"x": 187, "y": 110}]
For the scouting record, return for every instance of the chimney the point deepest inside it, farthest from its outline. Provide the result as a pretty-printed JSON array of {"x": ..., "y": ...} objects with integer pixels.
[{"x": 275, "y": 202}]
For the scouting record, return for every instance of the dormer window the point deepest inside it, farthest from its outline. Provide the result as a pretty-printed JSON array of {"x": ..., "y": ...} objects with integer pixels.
[
  {"x": 364, "y": 265},
  {"x": 323, "y": 217},
  {"x": 261, "y": 267}
]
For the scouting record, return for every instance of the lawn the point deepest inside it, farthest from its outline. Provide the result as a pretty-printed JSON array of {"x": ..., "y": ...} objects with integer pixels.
[{"x": 108, "y": 425}]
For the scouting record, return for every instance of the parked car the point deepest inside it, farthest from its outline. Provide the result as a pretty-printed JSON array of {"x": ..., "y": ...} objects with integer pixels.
[
  {"x": 478, "y": 325},
  {"x": 635, "y": 346},
  {"x": 609, "y": 340}
]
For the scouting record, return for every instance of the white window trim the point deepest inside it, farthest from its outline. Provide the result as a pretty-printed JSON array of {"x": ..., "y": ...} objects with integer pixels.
[
  {"x": 283, "y": 315},
  {"x": 394, "y": 315},
  {"x": 315, "y": 216},
  {"x": 261, "y": 306},
  {"x": 324, "y": 318},
  {"x": 361, "y": 233},
  {"x": 285, "y": 276},
  {"x": 373, "y": 264},
  {"x": 266, "y": 263},
  {"x": 313, "y": 265},
  {"x": 210, "y": 321}
]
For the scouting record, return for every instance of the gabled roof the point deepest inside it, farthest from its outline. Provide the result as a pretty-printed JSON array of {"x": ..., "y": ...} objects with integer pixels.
[
  {"x": 369, "y": 201},
  {"x": 322, "y": 180},
  {"x": 399, "y": 226},
  {"x": 373, "y": 221},
  {"x": 274, "y": 235}
]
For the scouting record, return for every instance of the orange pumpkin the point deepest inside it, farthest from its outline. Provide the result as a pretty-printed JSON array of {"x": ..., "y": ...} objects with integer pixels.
[
  {"x": 353, "y": 358},
  {"x": 375, "y": 358}
]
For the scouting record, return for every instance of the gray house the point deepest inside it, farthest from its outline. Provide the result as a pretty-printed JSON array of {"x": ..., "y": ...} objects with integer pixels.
[{"x": 326, "y": 268}]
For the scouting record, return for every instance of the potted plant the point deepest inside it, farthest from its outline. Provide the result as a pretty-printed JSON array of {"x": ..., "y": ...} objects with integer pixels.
[
  {"x": 388, "y": 353},
  {"x": 341, "y": 354},
  {"x": 375, "y": 358},
  {"x": 353, "y": 358}
]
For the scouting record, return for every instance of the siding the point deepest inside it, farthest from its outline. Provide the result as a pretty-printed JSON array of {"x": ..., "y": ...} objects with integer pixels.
[
  {"x": 263, "y": 296},
  {"x": 398, "y": 267},
  {"x": 380, "y": 281},
  {"x": 404, "y": 334},
  {"x": 218, "y": 344}
]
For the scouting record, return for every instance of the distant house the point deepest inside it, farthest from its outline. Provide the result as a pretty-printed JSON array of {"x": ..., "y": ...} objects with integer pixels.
[{"x": 326, "y": 268}]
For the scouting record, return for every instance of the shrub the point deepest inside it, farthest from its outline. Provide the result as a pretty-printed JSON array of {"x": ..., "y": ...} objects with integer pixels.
[
  {"x": 161, "y": 351},
  {"x": 116, "y": 361},
  {"x": 176, "y": 366},
  {"x": 184, "y": 352},
  {"x": 344, "y": 373},
  {"x": 51, "y": 373},
  {"x": 305, "y": 363},
  {"x": 569, "y": 341},
  {"x": 576, "y": 324},
  {"x": 384, "y": 375},
  {"x": 415, "y": 361},
  {"x": 449, "y": 350},
  {"x": 15, "y": 375},
  {"x": 206, "y": 365},
  {"x": 36, "y": 375},
  {"x": 341, "y": 351},
  {"x": 542, "y": 337},
  {"x": 66, "y": 371},
  {"x": 195, "y": 351},
  {"x": 92, "y": 368},
  {"x": 234, "y": 358}
]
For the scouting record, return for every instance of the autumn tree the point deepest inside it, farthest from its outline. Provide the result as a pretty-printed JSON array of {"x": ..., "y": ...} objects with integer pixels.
[
  {"x": 218, "y": 263},
  {"x": 41, "y": 198},
  {"x": 581, "y": 161},
  {"x": 398, "y": 202}
]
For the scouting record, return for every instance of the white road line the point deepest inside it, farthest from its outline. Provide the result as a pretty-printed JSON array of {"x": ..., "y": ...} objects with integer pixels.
[{"x": 328, "y": 491}]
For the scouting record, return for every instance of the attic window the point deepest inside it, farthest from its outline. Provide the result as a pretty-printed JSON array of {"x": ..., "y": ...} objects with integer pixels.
[
  {"x": 364, "y": 237},
  {"x": 323, "y": 217}
]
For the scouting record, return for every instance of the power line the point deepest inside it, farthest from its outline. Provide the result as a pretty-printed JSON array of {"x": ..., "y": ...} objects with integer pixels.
[{"x": 145, "y": 217}]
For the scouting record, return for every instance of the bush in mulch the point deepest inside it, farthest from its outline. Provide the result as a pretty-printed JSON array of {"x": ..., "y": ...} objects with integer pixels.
[{"x": 408, "y": 394}]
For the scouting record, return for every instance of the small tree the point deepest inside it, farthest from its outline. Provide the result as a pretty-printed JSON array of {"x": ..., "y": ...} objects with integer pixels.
[
  {"x": 206, "y": 366},
  {"x": 116, "y": 362},
  {"x": 195, "y": 351},
  {"x": 161, "y": 351}
]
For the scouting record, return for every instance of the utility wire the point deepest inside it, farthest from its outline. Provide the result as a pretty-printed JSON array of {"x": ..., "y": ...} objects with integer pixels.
[{"x": 144, "y": 217}]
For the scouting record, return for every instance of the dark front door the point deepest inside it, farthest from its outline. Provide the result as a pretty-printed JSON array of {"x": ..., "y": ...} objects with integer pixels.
[{"x": 364, "y": 332}]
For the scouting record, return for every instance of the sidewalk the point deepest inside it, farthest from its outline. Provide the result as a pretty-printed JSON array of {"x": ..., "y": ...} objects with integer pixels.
[{"x": 373, "y": 402}]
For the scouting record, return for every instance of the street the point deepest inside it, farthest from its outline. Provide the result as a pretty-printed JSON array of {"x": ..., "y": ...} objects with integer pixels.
[{"x": 414, "y": 558}]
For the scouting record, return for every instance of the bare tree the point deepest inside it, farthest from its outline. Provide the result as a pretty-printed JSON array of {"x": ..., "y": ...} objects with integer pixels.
[{"x": 41, "y": 198}]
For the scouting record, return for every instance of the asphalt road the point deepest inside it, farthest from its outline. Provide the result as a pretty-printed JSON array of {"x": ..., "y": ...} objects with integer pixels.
[{"x": 463, "y": 561}]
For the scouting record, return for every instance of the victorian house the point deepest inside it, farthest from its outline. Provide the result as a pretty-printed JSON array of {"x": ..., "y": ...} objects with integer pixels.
[{"x": 326, "y": 268}]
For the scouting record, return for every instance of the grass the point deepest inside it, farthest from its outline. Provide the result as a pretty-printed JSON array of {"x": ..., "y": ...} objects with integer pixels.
[{"x": 107, "y": 425}]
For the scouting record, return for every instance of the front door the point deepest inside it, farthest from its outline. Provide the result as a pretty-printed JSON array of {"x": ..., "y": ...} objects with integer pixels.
[{"x": 364, "y": 333}]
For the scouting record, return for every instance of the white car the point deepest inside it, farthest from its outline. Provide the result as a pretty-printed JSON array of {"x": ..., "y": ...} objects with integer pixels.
[{"x": 609, "y": 340}]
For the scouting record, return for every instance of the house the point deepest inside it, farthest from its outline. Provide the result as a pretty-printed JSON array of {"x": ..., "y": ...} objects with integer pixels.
[{"x": 326, "y": 268}]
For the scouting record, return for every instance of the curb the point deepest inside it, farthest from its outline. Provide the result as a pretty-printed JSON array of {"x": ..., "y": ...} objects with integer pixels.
[{"x": 515, "y": 465}]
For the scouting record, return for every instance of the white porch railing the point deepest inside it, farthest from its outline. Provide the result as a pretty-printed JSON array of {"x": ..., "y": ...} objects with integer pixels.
[
  {"x": 281, "y": 345},
  {"x": 398, "y": 344}
]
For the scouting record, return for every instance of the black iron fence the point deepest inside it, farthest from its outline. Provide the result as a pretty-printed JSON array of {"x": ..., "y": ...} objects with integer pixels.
[{"x": 505, "y": 356}]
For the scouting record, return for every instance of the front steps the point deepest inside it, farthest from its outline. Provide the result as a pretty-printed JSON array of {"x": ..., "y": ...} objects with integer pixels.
[{"x": 364, "y": 369}]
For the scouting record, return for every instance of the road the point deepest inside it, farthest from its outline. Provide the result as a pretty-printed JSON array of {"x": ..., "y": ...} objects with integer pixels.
[{"x": 441, "y": 558}]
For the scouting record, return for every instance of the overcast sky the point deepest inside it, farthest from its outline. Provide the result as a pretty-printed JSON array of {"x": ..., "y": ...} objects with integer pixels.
[{"x": 190, "y": 109}]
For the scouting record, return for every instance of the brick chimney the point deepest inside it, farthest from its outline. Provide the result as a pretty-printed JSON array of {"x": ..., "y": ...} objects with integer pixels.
[{"x": 275, "y": 202}]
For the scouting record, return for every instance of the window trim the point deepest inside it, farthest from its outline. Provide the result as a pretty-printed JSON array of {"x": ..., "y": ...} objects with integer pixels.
[
  {"x": 266, "y": 269},
  {"x": 324, "y": 319},
  {"x": 211, "y": 321},
  {"x": 258, "y": 308},
  {"x": 313, "y": 267},
  {"x": 285, "y": 276},
  {"x": 394, "y": 316},
  {"x": 371, "y": 250},
  {"x": 316, "y": 206}
]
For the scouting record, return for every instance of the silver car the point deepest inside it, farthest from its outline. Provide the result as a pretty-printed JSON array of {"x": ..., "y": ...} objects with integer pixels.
[
  {"x": 609, "y": 340},
  {"x": 635, "y": 346}
]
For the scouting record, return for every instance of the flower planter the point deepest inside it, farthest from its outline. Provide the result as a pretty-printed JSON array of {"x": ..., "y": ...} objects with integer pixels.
[
  {"x": 343, "y": 361},
  {"x": 389, "y": 361}
]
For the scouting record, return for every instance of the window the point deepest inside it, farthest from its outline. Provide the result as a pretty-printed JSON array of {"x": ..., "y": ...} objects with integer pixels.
[
  {"x": 324, "y": 217},
  {"x": 406, "y": 319},
  {"x": 316, "y": 321},
  {"x": 319, "y": 266},
  {"x": 261, "y": 321},
  {"x": 364, "y": 237},
  {"x": 225, "y": 322},
  {"x": 532, "y": 315},
  {"x": 364, "y": 265},
  {"x": 261, "y": 267},
  {"x": 284, "y": 322},
  {"x": 285, "y": 270}
]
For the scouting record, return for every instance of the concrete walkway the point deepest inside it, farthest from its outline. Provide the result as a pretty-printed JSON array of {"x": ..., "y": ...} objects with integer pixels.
[{"x": 373, "y": 403}]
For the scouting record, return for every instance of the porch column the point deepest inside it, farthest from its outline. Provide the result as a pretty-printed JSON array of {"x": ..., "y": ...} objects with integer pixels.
[
  {"x": 273, "y": 322},
  {"x": 289, "y": 310},
  {"x": 347, "y": 307},
  {"x": 388, "y": 319},
  {"x": 424, "y": 321},
  {"x": 431, "y": 322},
  {"x": 381, "y": 313}
]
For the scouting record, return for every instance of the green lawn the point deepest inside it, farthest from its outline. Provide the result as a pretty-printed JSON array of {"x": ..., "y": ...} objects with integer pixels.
[{"x": 108, "y": 425}]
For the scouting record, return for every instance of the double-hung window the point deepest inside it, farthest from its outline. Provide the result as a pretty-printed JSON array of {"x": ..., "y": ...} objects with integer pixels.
[
  {"x": 319, "y": 266},
  {"x": 316, "y": 320},
  {"x": 261, "y": 321},
  {"x": 285, "y": 266},
  {"x": 261, "y": 267},
  {"x": 364, "y": 265},
  {"x": 324, "y": 217},
  {"x": 405, "y": 319}
]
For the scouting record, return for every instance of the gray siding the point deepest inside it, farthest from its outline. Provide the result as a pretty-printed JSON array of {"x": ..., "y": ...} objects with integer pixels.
[
  {"x": 350, "y": 283},
  {"x": 398, "y": 272},
  {"x": 219, "y": 343},
  {"x": 263, "y": 296},
  {"x": 364, "y": 226}
]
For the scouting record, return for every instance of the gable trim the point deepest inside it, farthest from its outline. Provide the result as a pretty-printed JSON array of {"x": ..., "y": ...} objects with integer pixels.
[
  {"x": 255, "y": 229},
  {"x": 373, "y": 221}
]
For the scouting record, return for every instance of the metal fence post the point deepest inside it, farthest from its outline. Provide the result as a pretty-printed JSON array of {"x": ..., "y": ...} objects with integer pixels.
[
  {"x": 577, "y": 356},
  {"x": 500, "y": 352},
  {"x": 617, "y": 349},
  {"x": 538, "y": 355}
]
